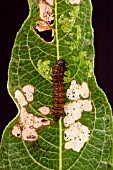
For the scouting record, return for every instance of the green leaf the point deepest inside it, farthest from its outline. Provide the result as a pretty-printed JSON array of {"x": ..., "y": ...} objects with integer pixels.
[{"x": 31, "y": 63}]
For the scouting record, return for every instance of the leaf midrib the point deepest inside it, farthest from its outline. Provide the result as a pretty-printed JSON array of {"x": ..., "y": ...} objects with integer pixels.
[
  {"x": 56, "y": 31},
  {"x": 58, "y": 57}
]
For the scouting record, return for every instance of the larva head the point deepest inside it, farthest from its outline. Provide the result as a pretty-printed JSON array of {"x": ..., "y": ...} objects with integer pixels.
[{"x": 61, "y": 62}]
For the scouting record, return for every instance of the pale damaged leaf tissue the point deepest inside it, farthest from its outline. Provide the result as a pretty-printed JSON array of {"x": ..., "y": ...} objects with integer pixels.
[{"x": 64, "y": 120}]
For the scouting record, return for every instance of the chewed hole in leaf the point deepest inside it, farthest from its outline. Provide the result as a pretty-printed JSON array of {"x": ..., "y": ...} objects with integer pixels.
[
  {"x": 16, "y": 131},
  {"x": 44, "y": 31}
]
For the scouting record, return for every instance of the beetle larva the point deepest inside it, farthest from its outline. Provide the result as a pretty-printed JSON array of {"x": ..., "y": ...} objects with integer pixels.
[{"x": 58, "y": 88}]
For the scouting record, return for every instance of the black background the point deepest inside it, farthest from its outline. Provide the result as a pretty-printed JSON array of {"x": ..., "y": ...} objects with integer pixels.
[{"x": 12, "y": 15}]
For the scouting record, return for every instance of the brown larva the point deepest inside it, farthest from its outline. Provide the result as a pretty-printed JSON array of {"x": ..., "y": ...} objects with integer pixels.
[{"x": 58, "y": 88}]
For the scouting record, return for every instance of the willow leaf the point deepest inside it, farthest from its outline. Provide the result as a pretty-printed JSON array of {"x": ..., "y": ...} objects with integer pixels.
[{"x": 31, "y": 63}]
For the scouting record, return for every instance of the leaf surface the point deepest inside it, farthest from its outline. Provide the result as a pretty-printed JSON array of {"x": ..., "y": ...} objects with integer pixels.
[{"x": 31, "y": 58}]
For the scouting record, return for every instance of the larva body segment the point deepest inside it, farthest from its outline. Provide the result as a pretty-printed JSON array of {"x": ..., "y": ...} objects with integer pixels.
[{"x": 58, "y": 88}]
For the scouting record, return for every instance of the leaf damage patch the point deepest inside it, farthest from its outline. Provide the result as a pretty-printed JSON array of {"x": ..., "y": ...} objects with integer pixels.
[
  {"x": 24, "y": 96},
  {"x": 29, "y": 133},
  {"x": 44, "y": 31},
  {"x": 20, "y": 98},
  {"x": 43, "y": 26},
  {"x": 75, "y": 91},
  {"x": 28, "y": 123},
  {"x": 16, "y": 131},
  {"x": 76, "y": 134},
  {"x": 44, "y": 110},
  {"x": 28, "y": 91},
  {"x": 46, "y": 13},
  {"x": 75, "y": 2},
  {"x": 74, "y": 111},
  {"x": 44, "y": 68},
  {"x": 67, "y": 20},
  {"x": 51, "y": 2}
]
